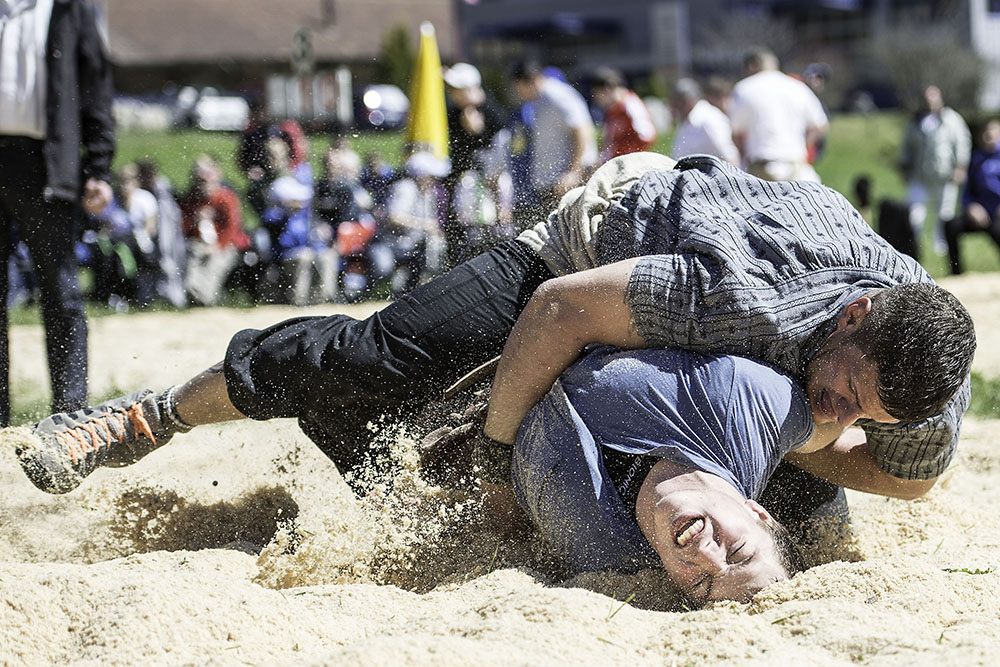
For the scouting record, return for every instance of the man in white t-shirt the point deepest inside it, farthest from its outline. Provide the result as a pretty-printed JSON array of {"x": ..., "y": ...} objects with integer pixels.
[
  {"x": 775, "y": 119},
  {"x": 702, "y": 129},
  {"x": 565, "y": 148}
]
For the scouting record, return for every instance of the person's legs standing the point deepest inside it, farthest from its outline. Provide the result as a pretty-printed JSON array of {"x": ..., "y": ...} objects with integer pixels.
[
  {"x": 994, "y": 229},
  {"x": 945, "y": 198},
  {"x": 953, "y": 229},
  {"x": 6, "y": 223},
  {"x": 48, "y": 228},
  {"x": 916, "y": 198}
]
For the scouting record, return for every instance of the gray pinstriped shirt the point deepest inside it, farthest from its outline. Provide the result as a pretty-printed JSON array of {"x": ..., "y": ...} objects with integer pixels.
[{"x": 731, "y": 263}]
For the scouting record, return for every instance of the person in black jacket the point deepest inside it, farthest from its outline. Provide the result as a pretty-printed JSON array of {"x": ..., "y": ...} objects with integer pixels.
[
  {"x": 56, "y": 144},
  {"x": 473, "y": 121}
]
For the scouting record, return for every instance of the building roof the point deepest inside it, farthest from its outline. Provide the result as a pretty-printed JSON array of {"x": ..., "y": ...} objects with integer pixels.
[{"x": 159, "y": 32}]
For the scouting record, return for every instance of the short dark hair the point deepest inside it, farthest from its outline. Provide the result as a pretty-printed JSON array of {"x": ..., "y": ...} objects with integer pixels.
[
  {"x": 760, "y": 57},
  {"x": 789, "y": 554},
  {"x": 922, "y": 341},
  {"x": 525, "y": 70},
  {"x": 606, "y": 77}
]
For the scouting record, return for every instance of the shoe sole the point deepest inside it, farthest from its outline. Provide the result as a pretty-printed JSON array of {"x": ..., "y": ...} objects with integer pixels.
[{"x": 46, "y": 472}]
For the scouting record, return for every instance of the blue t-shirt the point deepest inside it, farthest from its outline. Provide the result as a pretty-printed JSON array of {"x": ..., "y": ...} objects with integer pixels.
[{"x": 724, "y": 415}]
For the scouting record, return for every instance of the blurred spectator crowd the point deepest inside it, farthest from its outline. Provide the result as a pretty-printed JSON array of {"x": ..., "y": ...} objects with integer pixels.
[{"x": 361, "y": 228}]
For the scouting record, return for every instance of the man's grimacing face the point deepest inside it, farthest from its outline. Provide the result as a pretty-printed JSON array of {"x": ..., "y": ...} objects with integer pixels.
[
  {"x": 720, "y": 547},
  {"x": 842, "y": 385},
  {"x": 841, "y": 381}
]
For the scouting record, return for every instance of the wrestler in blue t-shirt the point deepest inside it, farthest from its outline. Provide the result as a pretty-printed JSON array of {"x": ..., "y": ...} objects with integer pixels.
[{"x": 646, "y": 457}]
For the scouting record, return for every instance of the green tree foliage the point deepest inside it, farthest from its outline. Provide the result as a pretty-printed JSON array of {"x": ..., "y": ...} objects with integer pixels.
[
  {"x": 920, "y": 54},
  {"x": 396, "y": 57}
]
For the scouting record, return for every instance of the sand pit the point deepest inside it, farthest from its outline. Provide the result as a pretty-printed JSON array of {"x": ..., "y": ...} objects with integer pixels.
[{"x": 240, "y": 544}]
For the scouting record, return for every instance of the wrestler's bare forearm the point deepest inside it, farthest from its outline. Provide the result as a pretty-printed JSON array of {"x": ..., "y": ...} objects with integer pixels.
[
  {"x": 564, "y": 315},
  {"x": 848, "y": 463}
]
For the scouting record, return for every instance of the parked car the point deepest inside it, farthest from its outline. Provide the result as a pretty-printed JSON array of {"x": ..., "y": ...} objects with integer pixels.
[
  {"x": 209, "y": 109},
  {"x": 381, "y": 106}
]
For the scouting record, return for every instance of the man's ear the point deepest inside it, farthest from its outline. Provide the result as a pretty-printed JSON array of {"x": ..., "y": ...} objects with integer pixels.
[
  {"x": 758, "y": 509},
  {"x": 854, "y": 314}
]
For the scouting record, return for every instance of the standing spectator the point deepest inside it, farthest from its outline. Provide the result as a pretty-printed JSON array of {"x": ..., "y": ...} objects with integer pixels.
[
  {"x": 56, "y": 144},
  {"x": 701, "y": 127},
  {"x": 413, "y": 226},
  {"x": 981, "y": 199},
  {"x": 563, "y": 144},
  {"x": 251, "y": 156},
  {"x": 473, "y": 121},
  {"x": 212, "y": 223},
  {"x": 718, "y": 91},
  {"x": 934, "y": 160},
  {"x": 775, "y": 119},
  {"x": 815, "y": 75},
  {"x": 628, "y": 125},
  {"x": 169, "y": 239},
  {"x": 517, "y": 137}
]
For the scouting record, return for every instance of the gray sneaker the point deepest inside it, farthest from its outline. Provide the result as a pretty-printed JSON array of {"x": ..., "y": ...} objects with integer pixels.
[{"x": 65, "y": 448}]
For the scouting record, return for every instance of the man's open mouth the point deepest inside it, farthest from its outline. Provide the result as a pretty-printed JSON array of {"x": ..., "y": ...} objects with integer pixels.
[
  {"x": 825, "y": 404},
  {"x": 688, "y": 530}
]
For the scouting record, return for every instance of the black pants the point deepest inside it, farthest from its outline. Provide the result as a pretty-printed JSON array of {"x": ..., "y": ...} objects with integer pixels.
[
  {"x": 337, "y": 374},
  {"x": 962, "y": 225},
  {"x": 48, "y": 228}
]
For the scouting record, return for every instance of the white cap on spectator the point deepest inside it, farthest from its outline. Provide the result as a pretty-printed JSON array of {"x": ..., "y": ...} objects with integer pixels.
[
  {"x": 287, "y": 189},
  {"x": 462, "y": 75},
  {"x": 423, "y": 163}
]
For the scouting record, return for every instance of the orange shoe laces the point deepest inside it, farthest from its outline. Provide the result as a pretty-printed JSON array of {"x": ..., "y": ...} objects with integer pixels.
[{"x": 77, "y": 445}]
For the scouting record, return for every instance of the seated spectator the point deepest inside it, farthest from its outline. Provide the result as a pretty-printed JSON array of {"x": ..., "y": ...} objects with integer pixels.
[
  {"x": 212, "y": 223},
  {"x": 143, "y": 214},
  {"x": 412, "y": 214},
  {"x": 342, "y": 163},
  {"x": 981, "y": 198},
  {"x": 118, "y": 245},
  {"x": 297, "y": 251},
  {"x": 170, "y": 244},
  {"x": 376, "y": 176},
  {"x": 342, "y": 215}
]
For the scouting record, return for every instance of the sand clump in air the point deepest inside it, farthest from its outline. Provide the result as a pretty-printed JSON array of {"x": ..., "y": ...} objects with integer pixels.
[{"x": 240, "y": 543}]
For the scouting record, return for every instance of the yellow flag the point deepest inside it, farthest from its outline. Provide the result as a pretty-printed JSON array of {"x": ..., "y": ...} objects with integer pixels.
[{"x": 427, "y": 125}]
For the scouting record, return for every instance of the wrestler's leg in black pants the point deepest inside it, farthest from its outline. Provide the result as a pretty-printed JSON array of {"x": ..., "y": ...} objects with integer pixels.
[{"x": 337, "y": 374}]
